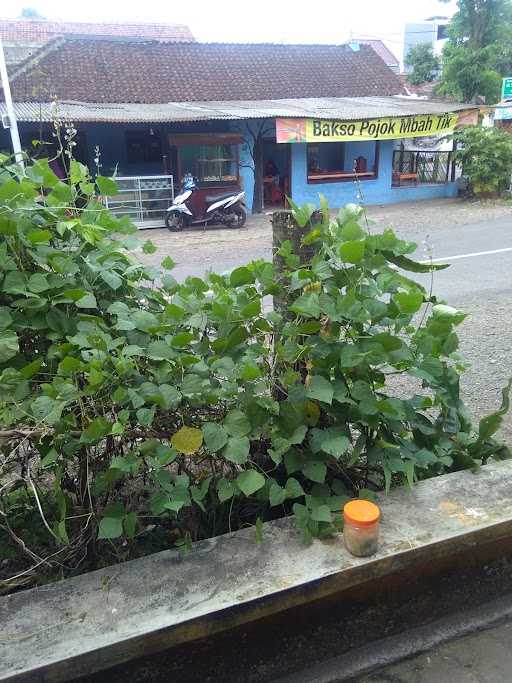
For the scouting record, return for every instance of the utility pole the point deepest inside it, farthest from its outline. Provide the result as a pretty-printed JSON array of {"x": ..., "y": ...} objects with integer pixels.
[{"x": 13, "y": 124}]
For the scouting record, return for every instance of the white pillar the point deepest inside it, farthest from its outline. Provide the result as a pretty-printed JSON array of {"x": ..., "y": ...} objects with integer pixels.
[{"x": 13, "y": 124}]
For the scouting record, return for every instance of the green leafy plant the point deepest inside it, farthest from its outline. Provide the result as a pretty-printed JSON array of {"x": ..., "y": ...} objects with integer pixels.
[
  {"x": 139, "y": 413},
  {"x": 486, "y": 158},
  {"x": 424, "y": 64},
  {"x": 478, "y": 51}
]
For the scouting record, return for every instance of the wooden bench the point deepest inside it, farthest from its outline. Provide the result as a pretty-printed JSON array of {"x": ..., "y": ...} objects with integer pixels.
[{"x": 398, "y": 178}]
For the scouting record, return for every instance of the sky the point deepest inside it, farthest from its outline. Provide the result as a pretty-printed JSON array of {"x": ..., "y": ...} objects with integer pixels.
[{"x": 324, "y": 21}]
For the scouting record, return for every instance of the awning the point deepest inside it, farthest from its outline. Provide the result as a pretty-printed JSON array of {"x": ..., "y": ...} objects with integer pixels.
[{"x": 330, "y": 108}]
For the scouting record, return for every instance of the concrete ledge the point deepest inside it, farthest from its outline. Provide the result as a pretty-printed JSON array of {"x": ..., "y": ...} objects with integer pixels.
[{"x": 92, "y": 622}]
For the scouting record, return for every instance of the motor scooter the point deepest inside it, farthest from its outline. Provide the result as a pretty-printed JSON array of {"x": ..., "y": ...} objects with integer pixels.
[{"x": 194, "y": 206}]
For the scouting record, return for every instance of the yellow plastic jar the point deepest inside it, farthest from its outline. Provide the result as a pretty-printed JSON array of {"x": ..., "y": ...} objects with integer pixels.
[{"x": 361, "y": 527}]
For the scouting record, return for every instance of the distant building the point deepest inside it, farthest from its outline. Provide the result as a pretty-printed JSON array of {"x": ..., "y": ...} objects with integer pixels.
[
  {"x": 327, "y": 119},
  {"x": 383, "y": 51},
  {"x": 23, "y": 37},
  {"x": 432, "y": 32}
]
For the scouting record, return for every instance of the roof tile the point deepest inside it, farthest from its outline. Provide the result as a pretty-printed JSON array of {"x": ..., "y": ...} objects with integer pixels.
[
  {"x": 109, "y": 70},
  {"x": 40, "y": 31},
  {"x": 381, "y": 49}
]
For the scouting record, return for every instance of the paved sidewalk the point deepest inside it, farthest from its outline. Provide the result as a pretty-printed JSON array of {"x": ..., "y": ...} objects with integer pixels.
[{"x": 484, "y": 657}]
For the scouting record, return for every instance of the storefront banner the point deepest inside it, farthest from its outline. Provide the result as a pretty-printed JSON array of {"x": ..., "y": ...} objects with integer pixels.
[{"x": 321, "y": 130}]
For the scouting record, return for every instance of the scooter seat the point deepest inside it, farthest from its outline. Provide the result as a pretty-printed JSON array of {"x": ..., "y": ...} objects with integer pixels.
[{"x": 211, "y": 198}]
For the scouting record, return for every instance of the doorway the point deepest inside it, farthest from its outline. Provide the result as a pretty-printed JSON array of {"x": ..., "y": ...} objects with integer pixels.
[{"x": 276, "y": 173}]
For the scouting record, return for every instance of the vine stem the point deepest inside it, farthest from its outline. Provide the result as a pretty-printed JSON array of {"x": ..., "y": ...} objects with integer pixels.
[{"x": 36, "y": 495}]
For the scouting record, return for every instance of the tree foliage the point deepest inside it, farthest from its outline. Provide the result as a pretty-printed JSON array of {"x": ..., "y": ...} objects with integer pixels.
[
  {"x": 424, "y": 64},
  {"x": 485, "y": 155},
  {"x": 139, "y": 413},
  {"x": 479, "y": 50}
]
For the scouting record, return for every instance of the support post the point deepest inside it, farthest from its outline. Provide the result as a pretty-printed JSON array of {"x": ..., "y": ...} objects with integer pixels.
[
  {"x": 285, "y": 228},
  {"x": 13, "y": 124},
  {"x": 452, "y": 161}
]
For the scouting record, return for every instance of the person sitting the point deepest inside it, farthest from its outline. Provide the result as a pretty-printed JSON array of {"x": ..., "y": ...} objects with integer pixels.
[{"x": 271, "y": 169}]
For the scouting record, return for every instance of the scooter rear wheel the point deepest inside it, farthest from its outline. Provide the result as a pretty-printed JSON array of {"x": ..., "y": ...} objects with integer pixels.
[
  {"x": 241, "y": 216},
  {"x": 175, "y": 222}
]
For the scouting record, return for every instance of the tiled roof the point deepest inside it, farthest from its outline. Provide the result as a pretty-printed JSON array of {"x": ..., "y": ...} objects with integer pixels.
[
  {"x": 381, "y": 49},
  {"x": 106, "y": 70},
  {"x": 23, "y": 37},
  {"x": 40, "y": 31}
]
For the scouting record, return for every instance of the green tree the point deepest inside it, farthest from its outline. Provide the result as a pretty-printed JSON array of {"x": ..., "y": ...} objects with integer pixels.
[
  {"x": 486, "y": 158},
  {"x": 424, "y": 64},
  {"x": 479, "y": 50}
]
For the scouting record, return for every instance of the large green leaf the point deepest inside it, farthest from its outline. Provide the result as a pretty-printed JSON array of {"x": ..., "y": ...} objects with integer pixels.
[
  {"x": 321, "y": 514},
  {"x": 490, "y": 424},
  {"x": 107, "y": 186},
  {"x": 351, "y": 231},
  {"x": 237, "y": 450},
  {"x": 408, "y": 302},
  {"x": 236, "y": 423},
  {"x": 87, "y": 301},
  {"x": 307, "y": 305},
  {"x": 215, "y": 436},
  {"x": 112, "y": 279},
  {"x": 5, "y": 317},
  {"x": 448, "y": 313},
  {"x": 332, "y": 440},
  {"x": 144, "y": 320},
  {"x": 293, "y": 488},
  {"x": 47, "y": 409},
  {"x": 160, "y": 350},
  {"x": 410, "y": 265},
  {"x": 352, "y": 251},
  {"x": 250, "y": 481},
  {"x": 9, "y": 345},
  {"x": 277, "y": 494},
  {"x": 37, "y": 283},
  {"x": 320, "y": 389},
  {"x": 225, "y": 490},
  {"x": 14, "y": 283},
  {"x": 315, "y": 470},
  {"x": 241, "y": 276}
]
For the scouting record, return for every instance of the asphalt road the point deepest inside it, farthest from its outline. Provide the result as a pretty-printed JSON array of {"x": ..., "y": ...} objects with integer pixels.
[
  {"x": 476, "y": 239},
  {"x": 479, "y": 254},
  {"x": 479, "y": 282}
]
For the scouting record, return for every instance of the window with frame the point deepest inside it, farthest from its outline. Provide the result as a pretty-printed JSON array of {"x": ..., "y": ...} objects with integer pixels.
[
  {"x": 325, "y": 159},
  {"x": 143, "y": 146},
  {"x": 210, "y": 163},
  {"x": 442, "y": 31},
  {"x": 331, "y": 162}
]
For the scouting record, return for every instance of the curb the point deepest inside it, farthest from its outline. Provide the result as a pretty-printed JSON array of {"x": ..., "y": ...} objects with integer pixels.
[{"x": 366, "y": 659}]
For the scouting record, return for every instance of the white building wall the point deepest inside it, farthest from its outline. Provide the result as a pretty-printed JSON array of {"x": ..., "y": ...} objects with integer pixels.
[{"x": 428, "y": 32}]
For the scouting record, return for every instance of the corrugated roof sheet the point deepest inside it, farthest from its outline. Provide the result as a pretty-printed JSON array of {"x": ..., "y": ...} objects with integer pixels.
[{"x": 341, "y": 108}]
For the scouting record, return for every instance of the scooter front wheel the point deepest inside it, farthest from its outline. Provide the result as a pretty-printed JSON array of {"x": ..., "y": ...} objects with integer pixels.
[
  {"x": 175, "y": 222},
  {"x": 241, "y": 216}
]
